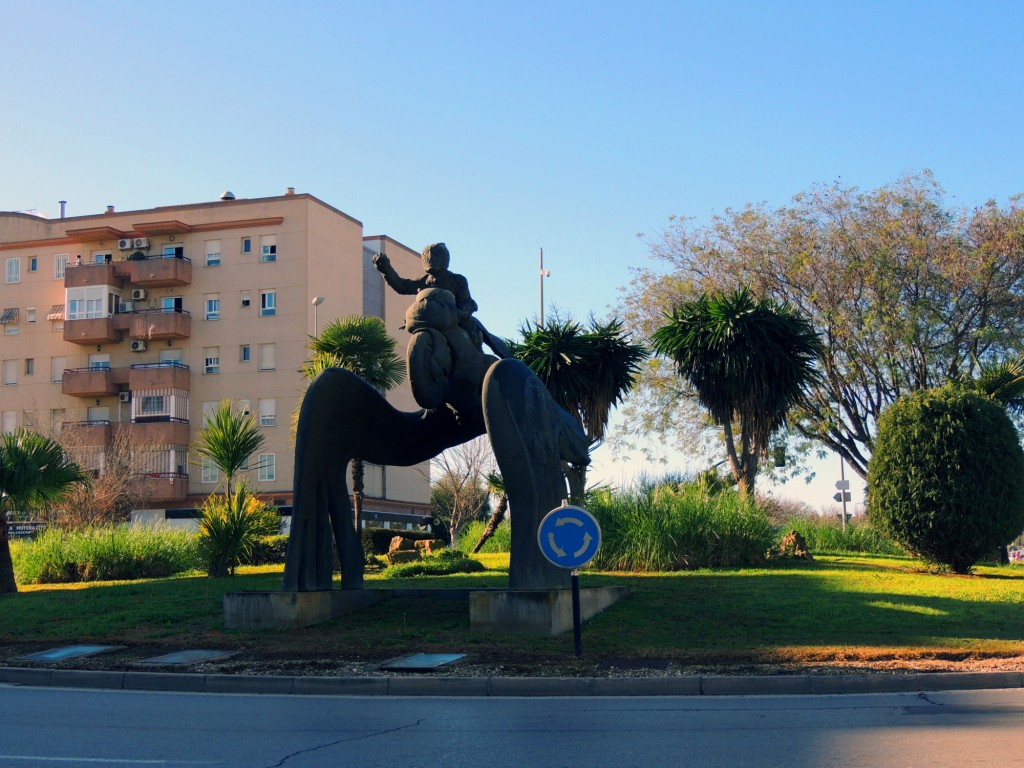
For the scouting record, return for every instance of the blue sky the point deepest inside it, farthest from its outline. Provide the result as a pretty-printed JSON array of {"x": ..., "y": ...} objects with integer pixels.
[{"x": 501, "y": 128}]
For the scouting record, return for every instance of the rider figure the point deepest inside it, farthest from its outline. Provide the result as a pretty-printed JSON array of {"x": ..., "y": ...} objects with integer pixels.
[{"x": 437, "y": 275}]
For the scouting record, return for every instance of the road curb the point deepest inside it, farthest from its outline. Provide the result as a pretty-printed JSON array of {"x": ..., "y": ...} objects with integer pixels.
[{"x": 410, "y": 685}]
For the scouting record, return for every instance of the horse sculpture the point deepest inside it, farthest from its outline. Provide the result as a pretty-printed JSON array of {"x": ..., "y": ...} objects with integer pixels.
[{"x": 463, "y": 393}]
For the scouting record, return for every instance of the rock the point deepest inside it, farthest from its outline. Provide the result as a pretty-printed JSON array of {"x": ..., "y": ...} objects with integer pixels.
[
  {"x": 398, "y": 556},
  {"x": 431, "y": 546},
  {"x": 400, "y": 543}
]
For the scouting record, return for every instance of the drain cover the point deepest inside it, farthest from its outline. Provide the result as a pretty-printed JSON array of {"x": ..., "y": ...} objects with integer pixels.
[
  {"x": 421, "y": 662},
  {"x": 68, "y": 652},
  {"x": 183, "y": 657}
]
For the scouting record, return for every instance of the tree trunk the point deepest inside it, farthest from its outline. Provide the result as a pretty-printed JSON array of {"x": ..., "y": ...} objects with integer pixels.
[
  {"x": 357, "y": 495},
  {"x": 492, "y": 525},
  {"x": 577, "y": 477},
  {"x": 7, "y": 583}
]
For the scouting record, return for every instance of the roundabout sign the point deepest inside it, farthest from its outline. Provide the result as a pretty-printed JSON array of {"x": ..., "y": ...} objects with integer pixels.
[{"x": 569, "y": 537}]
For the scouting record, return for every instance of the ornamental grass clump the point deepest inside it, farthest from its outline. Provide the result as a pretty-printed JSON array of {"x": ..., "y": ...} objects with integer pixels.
[
  {"x": 825, "y": 535},
  {"x": 231, "y": 527},
  {"x": 105, "y": 553},
  {"x": 671, "y": 527},
  {"x": 443, "y": 563}
]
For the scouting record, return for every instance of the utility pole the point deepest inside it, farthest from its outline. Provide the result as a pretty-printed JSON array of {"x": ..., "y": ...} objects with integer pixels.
[{"x": 543, "y": 273}]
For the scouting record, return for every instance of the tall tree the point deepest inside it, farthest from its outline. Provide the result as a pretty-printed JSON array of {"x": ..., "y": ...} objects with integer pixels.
[
  {"x": 749, "y": 361},
  {"x": 588, "y": 371},
  {"x": 459, "y": 494},
  {"x": 495, "y": 485},
  {"x": 34, "y": 471},
  {"x": 906, "y": 291},
  {"x": 359, "y": 344},
  {"x": 228, "y": 440}
]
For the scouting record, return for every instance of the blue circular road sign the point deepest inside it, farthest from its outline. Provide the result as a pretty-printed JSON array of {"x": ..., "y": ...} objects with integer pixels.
[{"x": 569, "y": 537}]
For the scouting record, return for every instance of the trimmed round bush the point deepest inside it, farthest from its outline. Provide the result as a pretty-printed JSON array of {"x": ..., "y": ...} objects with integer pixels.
[{"x": 946, "y": 477}]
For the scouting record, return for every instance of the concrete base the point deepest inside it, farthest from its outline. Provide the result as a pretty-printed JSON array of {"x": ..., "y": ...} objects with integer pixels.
[
  {"x": 536, "y": 611},
  {"x": 287, "y": 610}
]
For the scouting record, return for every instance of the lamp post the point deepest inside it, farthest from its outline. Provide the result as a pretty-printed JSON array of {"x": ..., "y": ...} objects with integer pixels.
[
  {"x": 543, "y": 273},
  {"x": 317, "y": 301}
]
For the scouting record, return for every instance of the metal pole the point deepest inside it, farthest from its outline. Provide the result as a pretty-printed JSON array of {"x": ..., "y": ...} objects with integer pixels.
[
  {"x": 842, "y": 493},
  {"x": 577, "y": 634}
]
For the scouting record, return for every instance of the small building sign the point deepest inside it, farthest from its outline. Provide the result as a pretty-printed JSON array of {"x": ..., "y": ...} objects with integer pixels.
[{"x": 25, "y": 529}]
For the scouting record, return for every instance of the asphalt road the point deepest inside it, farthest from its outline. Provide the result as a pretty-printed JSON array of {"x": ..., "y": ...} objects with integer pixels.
[{"x": 74, "y": 728}]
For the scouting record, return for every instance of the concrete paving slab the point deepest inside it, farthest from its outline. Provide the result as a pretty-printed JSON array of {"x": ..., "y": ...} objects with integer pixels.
[
  {"x": 184, "y": 658},
  {"x": 65, "y": 652},
  {"x": 421, "y": 662}
]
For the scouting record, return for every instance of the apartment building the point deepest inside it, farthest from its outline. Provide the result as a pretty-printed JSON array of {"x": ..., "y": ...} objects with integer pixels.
[{"x": 138, "y": 323}]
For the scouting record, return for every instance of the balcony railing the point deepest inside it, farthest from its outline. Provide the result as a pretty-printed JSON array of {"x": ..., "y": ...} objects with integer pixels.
[{"x": 161, "y": 364}]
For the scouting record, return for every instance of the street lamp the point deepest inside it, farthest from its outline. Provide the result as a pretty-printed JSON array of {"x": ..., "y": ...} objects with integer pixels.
[
  {"x": 317, "y": 301},
  {"x": 543, "y": 273}
]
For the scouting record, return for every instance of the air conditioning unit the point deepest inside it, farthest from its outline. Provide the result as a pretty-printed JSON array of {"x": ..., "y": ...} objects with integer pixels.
[
  {"x": 138, "y": 294},
  {"x": 125, "y": 243},
  {"x": 138, "y": 345},
  {"x": 140, "y": 242},
  {"x": 125, "y": 306},
  {"x": 124, "y": 397}
]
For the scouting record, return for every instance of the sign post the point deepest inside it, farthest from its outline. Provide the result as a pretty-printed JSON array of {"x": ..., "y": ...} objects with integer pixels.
[{"x": 569, "y": 537}]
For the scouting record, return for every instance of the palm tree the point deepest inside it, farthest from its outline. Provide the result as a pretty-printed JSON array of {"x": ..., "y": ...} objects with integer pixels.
[
  {"x": 359, "y": 344},
  {"x": 228, "y": 440},
  {"x": 587, "y": 370},
  {"x": 496, "y": 487},
  {"x": 1004, "y": 383},
  {"x": 34, "y": 471},
  {"x": 749, "y": 361}
]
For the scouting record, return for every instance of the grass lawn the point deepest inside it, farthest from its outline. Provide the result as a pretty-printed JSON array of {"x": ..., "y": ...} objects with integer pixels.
[{"x": 852, "y": 609}]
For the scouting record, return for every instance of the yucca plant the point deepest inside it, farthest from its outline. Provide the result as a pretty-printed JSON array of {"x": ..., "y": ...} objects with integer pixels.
[{"x": 230, "y": 526}]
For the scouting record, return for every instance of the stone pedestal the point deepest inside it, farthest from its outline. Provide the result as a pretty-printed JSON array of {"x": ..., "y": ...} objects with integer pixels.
[
  {"x": 286, "y": 610},
  {"x": 536, "y": 611}
]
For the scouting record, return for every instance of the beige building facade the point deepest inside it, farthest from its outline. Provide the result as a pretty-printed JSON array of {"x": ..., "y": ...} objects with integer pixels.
[{"x": 138, "y": 323}]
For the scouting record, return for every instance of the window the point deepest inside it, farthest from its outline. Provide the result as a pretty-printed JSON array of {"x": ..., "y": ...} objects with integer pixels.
[
  {"x": 10, "y": 372},
  {"x": 56, "y": 419},
  {"x": 98, "y": 413},
  {"x": 173, "y": 251},
  {"x": 213, "y": 253},
  {"x": 244, "y": 353},
  {"x": 268, "y": 248},
  {"x": 30, "y": 366},
  {"x": 213, "y": 306},
  {"x": 30, "y": 315},
  {"x": 99, "y": 257},
  {"x": 95, "y": 301},
  {"x": 28, "y": 419},
  {"x": 9, "y": 421},
  {"x": 268, "y": 303},
  {"x": 267, "y": 463},
  {"x": 99, "y": 361},
  {"x": 172, "y": 303},
  {"x": 209, "y": 407},
  {"x": 246, "y": 245},
  {"x": 60, "y": 263},
  {"x": 244, "y": 407},
  {"x": 246, "y": 298},
  {"x": 152, "y": 405},
  {"x": 268, "y": 413},
  {"x": 211, "y": 359},
  {"x": 57, "y": 366},
  {"x": 13, "y": 273},
  {"x": 209, "y": 472},
  {"x": 33, "y": 264},
  {"x": 267, "y": 357}
]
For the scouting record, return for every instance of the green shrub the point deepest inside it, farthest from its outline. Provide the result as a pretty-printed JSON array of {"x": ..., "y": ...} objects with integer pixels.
[
  {"x": 443, "y": 563},
  {"x": 230, "y": 527},
  {"x": 668, "y": 527},
  {"x": 267, "y": 550},
  {"x": 110, "y": 553},
  {"x": 501, "y": 541},
  {"x": 946, "y": 477},
  {"x": 826, "y": 535}
]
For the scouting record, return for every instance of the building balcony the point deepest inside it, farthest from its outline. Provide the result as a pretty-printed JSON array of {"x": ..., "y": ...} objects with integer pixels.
[
  {"x": 88, "y": 433},
  {"x": 93, "y": 330},
  {"x": 88, "y": 382},
  {"x": 164, "y": 486},
  {"x": 156, "y": 324},
  {"x": 159, "y": 430},
  {"x": 165, "y": 375},
  {"x": 85, "y": 275},
  {"x": 157, "y": 271}
]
